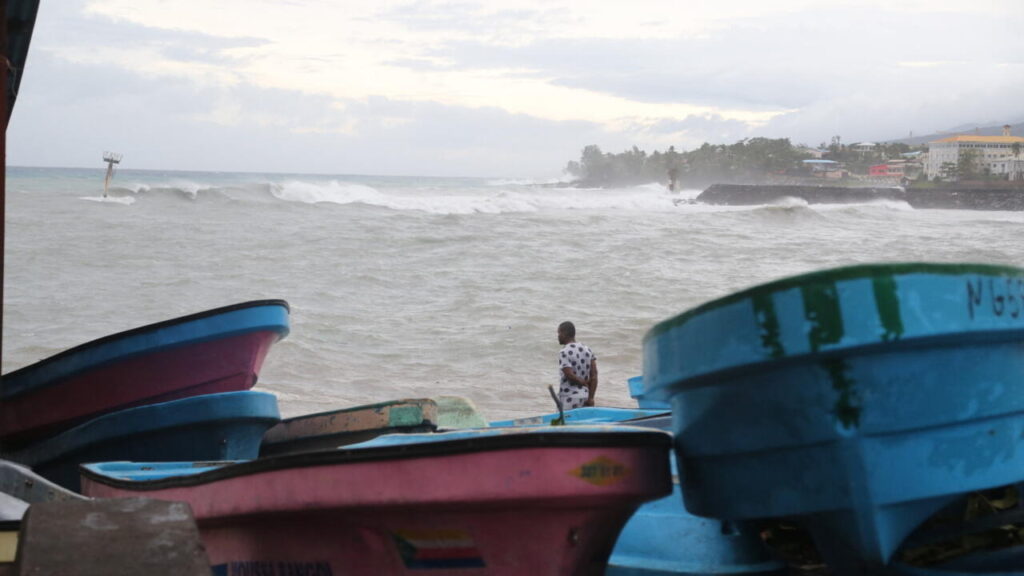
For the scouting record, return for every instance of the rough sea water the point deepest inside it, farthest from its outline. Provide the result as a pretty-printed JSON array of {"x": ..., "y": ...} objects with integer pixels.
[{"x": 407, "y": 287}]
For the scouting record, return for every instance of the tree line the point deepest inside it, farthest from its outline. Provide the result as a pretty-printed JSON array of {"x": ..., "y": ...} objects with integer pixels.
[{"x": 748, "y": 160}]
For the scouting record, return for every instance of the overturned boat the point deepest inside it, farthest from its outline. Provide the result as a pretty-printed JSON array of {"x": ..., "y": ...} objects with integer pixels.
[{"x": 859, "y": 400}]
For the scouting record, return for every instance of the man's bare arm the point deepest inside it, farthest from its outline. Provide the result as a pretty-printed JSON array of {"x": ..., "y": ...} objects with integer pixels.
[{"x": 592, "y": 384}]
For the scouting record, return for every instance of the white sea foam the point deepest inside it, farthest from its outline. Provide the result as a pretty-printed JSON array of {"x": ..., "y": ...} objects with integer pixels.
[
  {"x": 123, "y": 200},
  {"x": 483, "y": 199},
  {"x": 334, "y": 192}
]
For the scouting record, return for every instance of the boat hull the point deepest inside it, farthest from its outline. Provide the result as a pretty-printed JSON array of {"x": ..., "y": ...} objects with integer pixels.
[
  {"x": 859, "y": 400},
  {"x": 510, "y": 503},
  {"x": 217, "y": 351},
  {"x": 336, "y": 428},
  {"x": 227, "y": 426}
]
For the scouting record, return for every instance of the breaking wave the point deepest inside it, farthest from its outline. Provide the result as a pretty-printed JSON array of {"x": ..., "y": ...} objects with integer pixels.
[{"x": 431, "y": 196}]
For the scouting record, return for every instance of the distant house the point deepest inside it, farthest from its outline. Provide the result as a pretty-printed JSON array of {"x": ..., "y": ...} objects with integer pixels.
[
  {"x": 998, "y": 155},
  {"x": 896, "y": 168},
  {"x": 863, "y": 147},
  {"x": 815, "y": 153},
  {"x": 825, "y": 168}
]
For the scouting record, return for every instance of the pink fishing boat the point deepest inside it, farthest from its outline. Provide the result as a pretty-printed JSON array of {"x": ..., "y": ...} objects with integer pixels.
[
  {"x": 510, "y": 501},
  {"x": 220, "y": 350}
]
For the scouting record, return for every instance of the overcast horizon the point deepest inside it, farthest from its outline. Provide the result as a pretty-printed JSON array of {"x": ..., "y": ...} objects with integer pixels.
[{"x": 515, "y": 90}]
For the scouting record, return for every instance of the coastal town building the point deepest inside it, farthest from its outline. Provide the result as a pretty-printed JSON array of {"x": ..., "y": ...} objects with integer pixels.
[
  {"x": 1000, "y": 156},
  {"x": 894, "y": 168},
  {"x": 814, "y": 153},
  {"x": 829, "y": 169}
]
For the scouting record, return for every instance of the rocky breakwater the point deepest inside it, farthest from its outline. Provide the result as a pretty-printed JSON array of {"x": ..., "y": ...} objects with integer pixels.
[{"x": 961, "y": 198}]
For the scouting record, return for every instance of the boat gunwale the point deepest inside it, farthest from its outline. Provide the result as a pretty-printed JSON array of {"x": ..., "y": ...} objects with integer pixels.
[
  {"x": 948, "y": 340},
  {"x": 832, "y": 275},
  {"x": 184, "y": 413},
  {"x": 642, "y": 438},
  {"x": 6, "y": 394},
  {"x": 354, "y": 409}
]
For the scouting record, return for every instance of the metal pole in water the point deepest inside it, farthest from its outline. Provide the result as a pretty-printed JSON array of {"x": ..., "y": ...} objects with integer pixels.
[{"x": 110, "y": 158}]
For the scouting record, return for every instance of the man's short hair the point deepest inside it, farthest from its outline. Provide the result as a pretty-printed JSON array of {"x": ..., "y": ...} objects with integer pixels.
[{"x": 568, "y": 329}]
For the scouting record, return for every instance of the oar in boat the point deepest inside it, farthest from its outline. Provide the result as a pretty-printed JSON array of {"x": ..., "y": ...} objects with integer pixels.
[{"x": 560, "y": 421}]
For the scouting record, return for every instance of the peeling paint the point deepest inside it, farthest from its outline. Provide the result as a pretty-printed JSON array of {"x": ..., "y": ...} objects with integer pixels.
[
  {"x": 822, "y": 312},
  {"x": 887, "y": 303},
  {"x": 847, "y": 407},
  {"x": 768, "y": 324}
]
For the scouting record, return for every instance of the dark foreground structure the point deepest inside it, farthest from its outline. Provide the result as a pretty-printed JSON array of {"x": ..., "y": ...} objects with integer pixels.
[{"x": 942, "y": 198}]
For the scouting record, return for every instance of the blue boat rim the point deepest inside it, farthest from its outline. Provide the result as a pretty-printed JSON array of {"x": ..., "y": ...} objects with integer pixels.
[
  {"x": 569, "y": 437},
  {"x": 855, "y": 272},
  {"x": 25, "y": 378}
]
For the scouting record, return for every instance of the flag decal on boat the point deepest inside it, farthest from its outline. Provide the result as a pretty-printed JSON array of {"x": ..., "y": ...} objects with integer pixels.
[
  {"x": 601, "y": 471},
  {"x": 433, "y": 549}
]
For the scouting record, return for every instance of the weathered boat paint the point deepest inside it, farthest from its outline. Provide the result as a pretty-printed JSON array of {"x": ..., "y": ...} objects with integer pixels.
[
  {"x": 861, "y": 399},
  {"x": 20, "y": 482},
  {"x": 349, "y": 425},
  {"x": 415, "y": 502},
  {"x": 455, "y": 412}
]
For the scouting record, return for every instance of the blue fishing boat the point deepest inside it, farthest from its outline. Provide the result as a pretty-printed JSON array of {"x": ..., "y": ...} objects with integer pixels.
[
  {"x": 225, "y": 426},
  {"x": 219, "y": 350},
  {"x": 636, "y": 391},
  {"x": 662, "y": 538},
  {"x": 859, "y": 400},
  {"x": 585, "y": 415}
]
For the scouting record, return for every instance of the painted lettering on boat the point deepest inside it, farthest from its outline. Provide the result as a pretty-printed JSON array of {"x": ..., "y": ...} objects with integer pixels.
[
  {"x": 437, "y": 549},
  {"x": 601, "y": 471},
  {"x": 1003, "y": 297},
  {"x": 272, "y": 568}
]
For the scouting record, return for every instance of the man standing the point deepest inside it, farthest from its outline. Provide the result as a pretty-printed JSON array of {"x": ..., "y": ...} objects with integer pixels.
[{"x": 578, "y": 367}]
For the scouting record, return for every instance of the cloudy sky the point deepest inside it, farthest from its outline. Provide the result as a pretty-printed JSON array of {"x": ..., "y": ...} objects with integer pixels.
[{"x": 497, "y": 88}]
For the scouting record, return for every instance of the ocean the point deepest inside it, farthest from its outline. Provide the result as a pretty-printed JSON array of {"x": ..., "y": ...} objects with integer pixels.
[{"x": 411, "y": 287}]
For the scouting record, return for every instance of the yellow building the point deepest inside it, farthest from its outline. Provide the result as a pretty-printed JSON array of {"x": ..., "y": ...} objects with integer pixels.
[{"x": 1000, "y": 155}]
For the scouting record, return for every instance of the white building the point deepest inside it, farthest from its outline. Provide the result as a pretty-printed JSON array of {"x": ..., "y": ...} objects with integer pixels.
[{"x": 994, "y": 153}]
